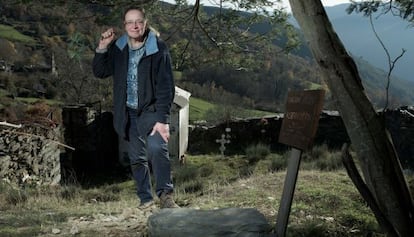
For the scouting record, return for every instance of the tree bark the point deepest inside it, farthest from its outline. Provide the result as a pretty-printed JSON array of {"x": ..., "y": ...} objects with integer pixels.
[{"x": 379, "y": 162}]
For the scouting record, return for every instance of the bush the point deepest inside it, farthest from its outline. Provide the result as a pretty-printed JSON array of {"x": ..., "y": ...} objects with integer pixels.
[
  {"x": 206, "y": 170},
  {"x": 188, "y": 178},
  {"x": 257, "y": 152},
  {"x": 193, "y": 186},
  {"x": 186, "y": 173},
  {"x": 321, "y": 158},
  {"x": 316, "y": 153},
  {"x": 329, "y": 163},
  {"x": 277, "y": 162}
]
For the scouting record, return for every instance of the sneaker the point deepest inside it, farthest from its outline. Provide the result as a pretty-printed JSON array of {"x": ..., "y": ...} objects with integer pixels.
[
  {"x": 167, "y": 201},
  {"x": 147, "y": 205}
]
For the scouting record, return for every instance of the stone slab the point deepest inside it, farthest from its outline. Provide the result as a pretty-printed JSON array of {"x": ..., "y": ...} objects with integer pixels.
[{"x": 225, "y": 222}]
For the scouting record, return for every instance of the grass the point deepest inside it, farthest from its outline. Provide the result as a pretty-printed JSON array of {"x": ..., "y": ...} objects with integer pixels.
[
  {"x": 31, "y": 100},
  {"x": 199, "y": 109},
  {"x": 28, "y": 100},
  {"x": 325, "y": 202},
  {"x": 9, "y": 33}
]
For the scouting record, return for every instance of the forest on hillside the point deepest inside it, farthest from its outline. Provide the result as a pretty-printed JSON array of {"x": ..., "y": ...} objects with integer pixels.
[{"x": 46, "y": 51}]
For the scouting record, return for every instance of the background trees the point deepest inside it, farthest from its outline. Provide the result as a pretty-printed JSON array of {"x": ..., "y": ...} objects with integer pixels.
[{"x": 253, "y": 66}]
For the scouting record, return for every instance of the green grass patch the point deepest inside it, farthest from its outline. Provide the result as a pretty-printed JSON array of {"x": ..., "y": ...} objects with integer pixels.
[
  {"x": 198, "y": 108},
  {"x": 9, "y": 33},
  {"x": 28, "y": 222}
]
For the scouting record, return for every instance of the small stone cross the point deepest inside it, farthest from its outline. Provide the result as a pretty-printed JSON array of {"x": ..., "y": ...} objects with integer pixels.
[{"x": 222, "y": 141}]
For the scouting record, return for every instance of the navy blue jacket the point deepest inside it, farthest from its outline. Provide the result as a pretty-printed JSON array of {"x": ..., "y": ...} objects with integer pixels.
[{"x": 155, "y": 81}]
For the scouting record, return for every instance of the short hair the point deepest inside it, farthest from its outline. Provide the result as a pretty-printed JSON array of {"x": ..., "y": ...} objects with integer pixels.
[{"x": 140, "y": 9}]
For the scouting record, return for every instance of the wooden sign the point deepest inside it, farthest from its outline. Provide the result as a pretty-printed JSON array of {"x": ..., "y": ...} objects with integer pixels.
[
  {"x": 301, "y": 118},
  {"x": 299, "y": 126}
]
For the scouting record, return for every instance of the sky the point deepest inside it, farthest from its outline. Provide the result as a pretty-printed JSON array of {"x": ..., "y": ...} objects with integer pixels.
[
  {"x": 285, "y": 3},
  {"x": 326, "y": 3},
  {"x": 334, "y": 2}
]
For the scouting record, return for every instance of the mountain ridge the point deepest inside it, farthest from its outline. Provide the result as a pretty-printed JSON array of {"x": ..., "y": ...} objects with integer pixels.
[{"x": 355, "y": 32}]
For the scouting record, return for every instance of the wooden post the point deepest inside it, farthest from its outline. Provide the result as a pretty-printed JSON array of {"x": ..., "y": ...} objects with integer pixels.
[
  {"x": 288, "y": 191},
  {"x": 299, "y": 126}
]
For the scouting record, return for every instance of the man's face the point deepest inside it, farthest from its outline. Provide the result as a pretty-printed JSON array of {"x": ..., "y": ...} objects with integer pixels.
[{"x": 135, "y": 24}]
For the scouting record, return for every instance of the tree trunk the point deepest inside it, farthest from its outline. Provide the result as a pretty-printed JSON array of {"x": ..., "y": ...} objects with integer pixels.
[{"x": 372, "y": 143}]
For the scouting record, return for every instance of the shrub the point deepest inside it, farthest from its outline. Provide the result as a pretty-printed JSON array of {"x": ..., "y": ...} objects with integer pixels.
[
  {"x": 277, "y": 162},
  {"x": 257, "y": 152},
  {"x": 321, "y": 158},
  {"x": 186, "y": 173},
  {"x": 329, "y": 163},
  {"x": 193, "y": 186},
  {"x": 316, "y": 152},
  {"x": 206, "y": 170}
]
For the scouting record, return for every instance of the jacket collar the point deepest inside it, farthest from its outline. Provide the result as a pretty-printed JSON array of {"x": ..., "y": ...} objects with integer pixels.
[{"x": 151, "y": 46}]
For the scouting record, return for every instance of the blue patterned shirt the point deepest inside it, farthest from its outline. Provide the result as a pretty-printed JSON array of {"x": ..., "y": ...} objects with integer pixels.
[{"x": 135, "y": 56}]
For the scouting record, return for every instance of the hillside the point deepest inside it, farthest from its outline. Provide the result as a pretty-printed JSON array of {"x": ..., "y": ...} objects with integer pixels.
[
  {"x": 356, "y": 34},
  {"x": 373, "y": 74},
  {"x": 33, "y": 37}
]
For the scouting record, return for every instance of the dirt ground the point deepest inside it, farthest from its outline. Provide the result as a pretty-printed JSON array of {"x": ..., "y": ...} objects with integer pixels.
[{"x": 131, "y": 222}]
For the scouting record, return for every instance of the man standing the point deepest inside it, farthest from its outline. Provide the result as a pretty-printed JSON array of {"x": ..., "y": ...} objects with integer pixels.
[{"x": 143, "y": 91}]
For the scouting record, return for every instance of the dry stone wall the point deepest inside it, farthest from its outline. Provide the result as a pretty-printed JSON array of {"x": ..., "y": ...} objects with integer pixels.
[
  {"x": 331, "y": 131},
  {"x": 33, "y": 154},
  {"x": 30, "y": 155}
]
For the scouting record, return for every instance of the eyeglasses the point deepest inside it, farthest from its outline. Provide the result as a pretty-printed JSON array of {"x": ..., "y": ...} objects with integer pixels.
[{"x": 136, "y": 22}]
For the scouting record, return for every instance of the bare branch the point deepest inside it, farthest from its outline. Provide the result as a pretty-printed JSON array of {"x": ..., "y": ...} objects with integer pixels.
[
  {"x": 4, "y": 123},
  {"x": 391, "y": 63}
]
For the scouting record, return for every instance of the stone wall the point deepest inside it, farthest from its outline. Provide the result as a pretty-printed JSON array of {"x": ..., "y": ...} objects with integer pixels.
[
  {"x": 30, "y": 155},
  {"x": 247, "y": 132},
  {"x": 400, "y": 123},
  {"x": 331, "y": 131},
  {"x": 33, "y": 154}
]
